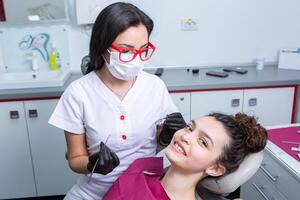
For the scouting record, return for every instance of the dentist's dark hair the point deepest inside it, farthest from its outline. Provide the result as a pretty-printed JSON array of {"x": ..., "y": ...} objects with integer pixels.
[
  {"x": 246, "y": 136},
  {"x": 111, "y": 21}
]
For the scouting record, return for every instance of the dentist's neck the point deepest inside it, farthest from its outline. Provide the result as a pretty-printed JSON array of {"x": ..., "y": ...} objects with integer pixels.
[{"x": 180, "y": 185}]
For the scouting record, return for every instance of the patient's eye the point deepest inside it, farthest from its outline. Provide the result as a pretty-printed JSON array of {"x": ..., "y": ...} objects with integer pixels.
[
  {"x": 202, "y": 141},
  {"x": 189, "y": 127}
]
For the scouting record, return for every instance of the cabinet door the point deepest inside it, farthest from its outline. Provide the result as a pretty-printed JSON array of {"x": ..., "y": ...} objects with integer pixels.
[
  {"x": 272, "y": 106},
  {"x": 183, "y": 103},
  {"x": 52, "y": 173},
  {"x": 259, "y": 187},
  {"x": 16, "y": 172},
  {"x": 228, "y": 102}
]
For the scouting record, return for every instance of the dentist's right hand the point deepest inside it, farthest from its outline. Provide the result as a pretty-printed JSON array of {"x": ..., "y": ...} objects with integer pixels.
[{"x": 108, "y": 160}]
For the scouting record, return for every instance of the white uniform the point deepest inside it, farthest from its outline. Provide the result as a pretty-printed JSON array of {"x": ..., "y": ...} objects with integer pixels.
[{"x": 89, "y": 107}]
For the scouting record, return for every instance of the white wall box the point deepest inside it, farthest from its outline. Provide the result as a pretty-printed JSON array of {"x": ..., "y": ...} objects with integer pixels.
[{"x": 33, "y": 151}]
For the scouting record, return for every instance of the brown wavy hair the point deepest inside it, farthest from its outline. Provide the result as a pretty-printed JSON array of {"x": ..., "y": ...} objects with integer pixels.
[{"x": 246, "y": 136}]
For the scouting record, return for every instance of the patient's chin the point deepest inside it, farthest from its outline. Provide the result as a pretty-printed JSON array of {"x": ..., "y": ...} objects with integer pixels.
[{"x": 172, "y": 155}]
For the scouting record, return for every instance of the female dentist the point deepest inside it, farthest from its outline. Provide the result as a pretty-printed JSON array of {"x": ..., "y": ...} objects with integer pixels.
[{"x": 109, "y": 114}]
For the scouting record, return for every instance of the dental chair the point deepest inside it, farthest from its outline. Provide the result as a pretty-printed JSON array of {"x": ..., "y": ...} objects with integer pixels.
[{"x": 218, "y": 188}]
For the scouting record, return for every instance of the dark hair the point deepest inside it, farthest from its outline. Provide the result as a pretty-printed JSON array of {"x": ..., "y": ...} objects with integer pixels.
[
  {"x": 246, "y": 136},
  {"x": 111, "y": 21}
]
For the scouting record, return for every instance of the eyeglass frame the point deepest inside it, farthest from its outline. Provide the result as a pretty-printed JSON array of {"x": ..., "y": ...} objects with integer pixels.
[{"x": 136, "y": 51}]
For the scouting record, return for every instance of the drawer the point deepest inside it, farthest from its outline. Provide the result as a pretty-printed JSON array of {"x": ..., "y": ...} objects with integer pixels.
[
  {"x": 183, "y": 102},
  {"x": 284, "y": 181},
  {"x": 259, "y": 187}
]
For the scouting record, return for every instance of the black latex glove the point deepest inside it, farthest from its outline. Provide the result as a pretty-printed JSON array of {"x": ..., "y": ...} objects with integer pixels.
[
  {"x": 108, "y": 160},
  {"x": 172, "y": 123}
]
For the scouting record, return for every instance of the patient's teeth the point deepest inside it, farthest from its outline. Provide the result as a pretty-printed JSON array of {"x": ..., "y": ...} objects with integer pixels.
[{"x": 179, "y": 148}]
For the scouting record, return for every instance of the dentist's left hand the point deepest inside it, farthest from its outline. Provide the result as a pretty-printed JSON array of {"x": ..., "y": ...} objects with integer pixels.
[
  {"x": 172, "y": 123},
  {"x": 108, "y": 160}
]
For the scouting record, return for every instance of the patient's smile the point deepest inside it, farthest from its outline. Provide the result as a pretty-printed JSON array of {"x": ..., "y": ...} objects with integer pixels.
[{"x": 178, "y": 148}]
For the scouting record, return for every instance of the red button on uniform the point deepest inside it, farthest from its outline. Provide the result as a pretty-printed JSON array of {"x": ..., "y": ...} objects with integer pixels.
[
  {"x": 124, "y": 137},
  {"x": 122, "y": 117}
]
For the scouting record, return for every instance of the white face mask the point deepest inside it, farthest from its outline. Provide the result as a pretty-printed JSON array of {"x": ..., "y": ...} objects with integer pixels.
[{"x": 124, "y": 71}]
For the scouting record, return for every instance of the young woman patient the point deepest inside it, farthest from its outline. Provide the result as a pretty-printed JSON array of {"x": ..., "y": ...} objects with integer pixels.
[{"x": 213, "y": 145}]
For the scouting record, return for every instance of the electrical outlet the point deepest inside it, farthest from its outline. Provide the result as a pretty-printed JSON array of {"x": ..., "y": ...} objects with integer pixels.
[{"x": 189, "y": 24}]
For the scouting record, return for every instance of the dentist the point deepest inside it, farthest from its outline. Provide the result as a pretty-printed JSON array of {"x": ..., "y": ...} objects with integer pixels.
[{"x": 109, "y": 114}]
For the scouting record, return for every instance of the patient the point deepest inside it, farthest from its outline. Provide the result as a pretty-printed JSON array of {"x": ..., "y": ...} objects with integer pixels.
[{"x": 210, "y": 146}]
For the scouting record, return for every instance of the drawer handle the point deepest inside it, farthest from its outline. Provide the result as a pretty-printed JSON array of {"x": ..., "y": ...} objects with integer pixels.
[
  {"x": 14, "y": 114},
  {"x": 252, "y": 102},
  {"x": 235, "y": 102},
  {"x": 260, "y": 191},
  {"x": 33, "y": 113},
  {"x": 273, "y": 178},
  {"x": 181, "y": 98}
]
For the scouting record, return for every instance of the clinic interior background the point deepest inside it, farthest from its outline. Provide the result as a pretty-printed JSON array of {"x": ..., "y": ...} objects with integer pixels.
[{"x": 231, "y": 32}]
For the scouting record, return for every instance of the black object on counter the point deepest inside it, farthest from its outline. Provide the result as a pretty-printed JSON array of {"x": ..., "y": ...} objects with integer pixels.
[
  {"x": 195, "y": 71},
  {"x": 217, "y": 74},
  {"x": 159, "y": 71},
  {"x": 237, "y": 70}
]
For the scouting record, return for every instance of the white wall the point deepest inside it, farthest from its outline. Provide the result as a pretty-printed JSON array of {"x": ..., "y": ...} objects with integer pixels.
[
  {"x": 229, "y": 31},
  {"x": 78, "y": 46}
]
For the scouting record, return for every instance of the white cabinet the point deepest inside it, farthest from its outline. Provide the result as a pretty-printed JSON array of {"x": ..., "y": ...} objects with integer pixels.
[
  {"x": 52, "y": 173},
  {"x": 32, "y": 151},
  {"x": 227, "y": 101},
  {"x": 183, "y": 102},
  {"x": 16, "y": 171},
  {"x": 272, "y": 106},
  {"x": 88, "y": 10}
]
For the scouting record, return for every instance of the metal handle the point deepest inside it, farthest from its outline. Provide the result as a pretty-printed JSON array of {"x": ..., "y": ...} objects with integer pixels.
[
  {"x": 252, "y": 102},
  {"x": 273, "y": 178},
  {"x": 33, "y": 113},
  {"x": 235, "y": 102},
  {"x": 14, "y": 114},
  {"x": 260, "y": 191},
  {"x": 181, "y": 98}
]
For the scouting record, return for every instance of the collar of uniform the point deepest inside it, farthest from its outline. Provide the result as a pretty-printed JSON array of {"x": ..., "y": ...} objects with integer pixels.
[{"x": 111, "y": 96}]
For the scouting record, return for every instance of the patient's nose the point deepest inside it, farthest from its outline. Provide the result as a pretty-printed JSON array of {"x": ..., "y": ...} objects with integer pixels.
[{"x": 186, "y": 137}]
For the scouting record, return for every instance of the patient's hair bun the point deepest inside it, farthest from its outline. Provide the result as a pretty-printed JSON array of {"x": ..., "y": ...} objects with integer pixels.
[{"x": 255, "y": 134}]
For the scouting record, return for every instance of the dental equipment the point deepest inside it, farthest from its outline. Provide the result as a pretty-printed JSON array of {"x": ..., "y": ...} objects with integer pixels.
[{"x": 90, "y": 177}]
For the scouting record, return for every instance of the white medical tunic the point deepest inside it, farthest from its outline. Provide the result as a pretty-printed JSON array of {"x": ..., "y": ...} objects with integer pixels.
[{"x": 89, "y": 107}]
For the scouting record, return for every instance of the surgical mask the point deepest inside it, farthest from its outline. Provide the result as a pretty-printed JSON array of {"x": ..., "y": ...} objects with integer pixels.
[{"x": 124, "y": 70}]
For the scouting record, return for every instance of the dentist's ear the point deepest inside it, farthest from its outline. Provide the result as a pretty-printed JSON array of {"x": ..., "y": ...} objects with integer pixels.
[{"x": 215, "y": 170}]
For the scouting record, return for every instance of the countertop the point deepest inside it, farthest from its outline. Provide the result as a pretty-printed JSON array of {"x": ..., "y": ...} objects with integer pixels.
[{"x": 182, "y": 79}]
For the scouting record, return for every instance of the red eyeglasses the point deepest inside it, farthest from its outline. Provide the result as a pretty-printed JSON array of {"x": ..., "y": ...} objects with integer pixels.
[{"x": 129, "y": 54}]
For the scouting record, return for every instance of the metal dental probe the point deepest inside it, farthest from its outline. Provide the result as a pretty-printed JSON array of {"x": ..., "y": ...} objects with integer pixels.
[
  {"x": 288, "y": 142},
  {"x": 90, "y": 177}
]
